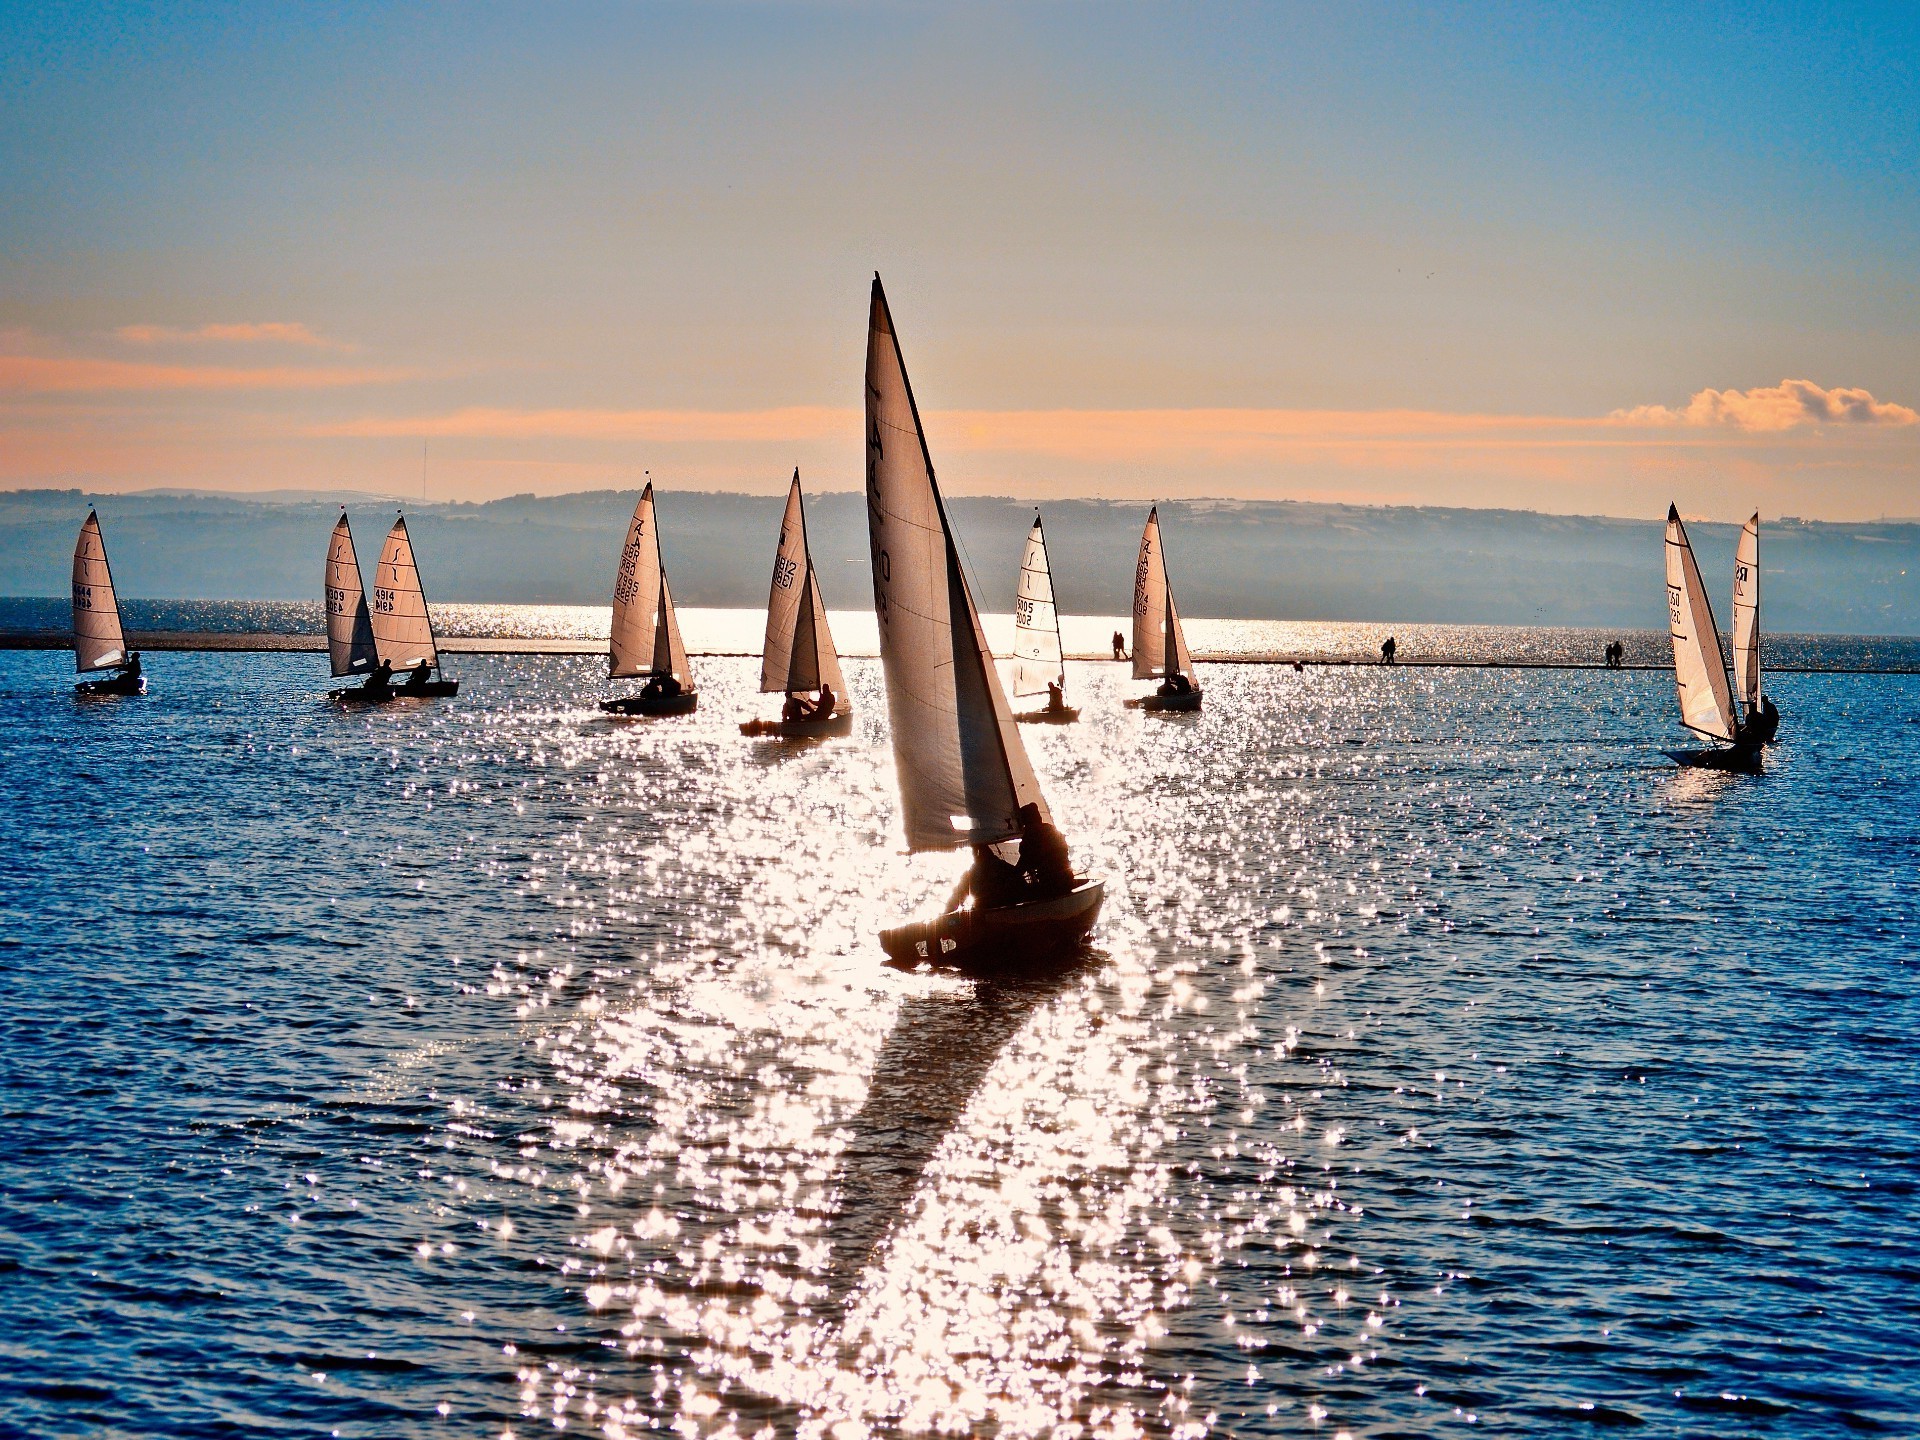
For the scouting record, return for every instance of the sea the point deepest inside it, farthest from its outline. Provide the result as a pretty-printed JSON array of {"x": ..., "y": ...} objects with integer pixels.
[{"x": 1446, "y": 1061}]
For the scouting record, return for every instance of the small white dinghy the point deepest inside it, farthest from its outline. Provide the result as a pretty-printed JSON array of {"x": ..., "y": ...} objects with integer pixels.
[
  {"x": 1762, "y": 717},
  {"x": 645, "y": 639},
  {"x": 798, "y": 656},
  {"x": 1699, "y": 669},
  {"x": 964, "y": 774},
  {"x": 1159, "y": 643},
  {"x": 1039, "y": 665},
  {"x": 98, "y": 641}
]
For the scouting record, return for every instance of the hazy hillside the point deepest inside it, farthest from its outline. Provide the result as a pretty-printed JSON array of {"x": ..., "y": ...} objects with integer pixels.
[{"x": 1229, "y": 558}]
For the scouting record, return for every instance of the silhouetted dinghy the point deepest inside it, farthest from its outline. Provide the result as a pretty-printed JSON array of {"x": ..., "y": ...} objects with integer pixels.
[
  {"x": 1001, "y": 937},
  {"x": 1762, "y": 719},
  {"x": 1699, "y": 670},
  {"x": 964, "y": 774},
  {"x": 1039, "y": 665},
  {"x": 798, "y": 655},
  {"x": 1159, "y": 640},
  {"x": 98, "y": 641},
  {"x": 645, "y": 638},
  {"x": 404, "y": 645}
]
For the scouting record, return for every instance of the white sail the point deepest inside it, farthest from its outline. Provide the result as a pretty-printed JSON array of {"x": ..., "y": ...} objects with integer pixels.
[
  {"x": 350, "y": 641},
  {"x": 964, "y": 773},
  {"x": 645, "y": 639},
  {"x": 402, "y": 629},
  {"x": 1159, "y": 642},
  {"x": 1706, "y": 696},
  {"x": 1037, "y": 661},
  {"x": 98, "y": 641},
  {"x": 799, "y": 653},
  {"x": 1746, "y": 614}
]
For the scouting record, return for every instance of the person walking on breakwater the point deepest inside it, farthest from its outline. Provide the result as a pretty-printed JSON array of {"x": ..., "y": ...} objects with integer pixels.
[
  {"x": 1119, "y": 646},
  {"x": 1387, "y": 647}
]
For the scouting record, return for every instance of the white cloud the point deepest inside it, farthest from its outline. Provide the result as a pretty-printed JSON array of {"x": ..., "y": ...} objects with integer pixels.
[{"x": 1785, "y": 406}]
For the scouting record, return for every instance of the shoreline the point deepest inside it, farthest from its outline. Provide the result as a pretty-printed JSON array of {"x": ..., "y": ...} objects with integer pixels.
[{"x": 260, "y": 642}]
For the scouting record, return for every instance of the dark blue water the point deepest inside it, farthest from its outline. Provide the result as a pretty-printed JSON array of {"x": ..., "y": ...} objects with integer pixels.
[{"x": 1450, "y": 1064}]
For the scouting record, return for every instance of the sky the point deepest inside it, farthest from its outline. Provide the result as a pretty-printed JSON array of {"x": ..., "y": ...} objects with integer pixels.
[{"x": 1582, "y": 259}]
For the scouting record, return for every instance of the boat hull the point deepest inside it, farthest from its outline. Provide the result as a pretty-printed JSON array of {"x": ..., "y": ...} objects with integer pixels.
[
  {"x": 1169, "y": 704},
  {"x": 361, "y": 695},
  {"x": 118, "y": 685},
  {"x": 1739, "y": 762},
  {"x": 683, "y": 704},
  {"x": 838, "y": 723},
  {"x": 1065, "y": 715},
  {"x": 1001, "y": 939}
]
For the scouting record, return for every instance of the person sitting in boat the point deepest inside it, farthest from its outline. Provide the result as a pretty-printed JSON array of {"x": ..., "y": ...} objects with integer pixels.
[
  {"x": 660, "y": 687},
  {"x": 1176, "y": 684},
  {"x": 796, "y": 708},
  {"x": 380, "y": 682},
  {"x": 1387, "y": 647},
  {"x": 1056, "y": 698},
  {"x": 130, "y": 671},
  {"x": 1764, "y": 721},
  {"x": 1045, "y": 865},
  {"x": 822, "y": 708},
  {"x": 417, "y": 677},
  {"x": 990, "y": 880}
]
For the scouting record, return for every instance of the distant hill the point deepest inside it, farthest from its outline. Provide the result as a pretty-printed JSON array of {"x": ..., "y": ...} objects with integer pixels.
[{"x": 1230, "y": 559}]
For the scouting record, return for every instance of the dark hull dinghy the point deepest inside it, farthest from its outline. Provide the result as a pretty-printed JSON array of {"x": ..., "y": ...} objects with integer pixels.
[
  {"x": 1001, "y": 938},
  {"x": 965, "y": 779},
  {"x": 798, "y": 657},
  {"x": 838, "y": 723},
  {"x": 117, "y": 685},
  {"x": 390, "y": 642},
  {"x": 1065, "y": 715},
  {"x": 1699, "y": 670},
  {"x": 1169, "y": 703},
  {"x": 1039, "y": 662},
  {"x": 1159, "y": 639},
  {"x": 98, "y": 641},
  {"x": 1738, "y": 761},
  {"x": 645, "y": 638}
]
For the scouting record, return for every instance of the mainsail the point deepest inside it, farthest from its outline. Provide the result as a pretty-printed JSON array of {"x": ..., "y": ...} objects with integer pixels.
[
  {"x": 1159, "y": 644},
  {"x": 1746, "y": 614},
  {"x": 799, "y": 653},
  {"x": 98, "y": 641},
  {"x": 1037, "y": 661},
  {"x": 645, "y": 639},
  {"x": 402, "y": 629},
  {"x": 964, "y": 773},
  {"x": 1706, "y": 697},
  {"x": 350, "y": 640}
]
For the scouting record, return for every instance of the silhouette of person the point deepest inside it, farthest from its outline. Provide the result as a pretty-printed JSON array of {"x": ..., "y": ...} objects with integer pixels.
[
  {"x": 1045, "y": 865},
  {"x": 1387, "y": 647},
  {"x": 822, "y": 708},
  {"x": 417, "y": 677},
  {"x": 380, "y": 682},
  {"x": 1119, "y": 646},
  {"x": 1056, "y": 698},
  {"x": 1176, "y": 684},
  {"x": 795, "y": 709},
  {"x": 131, "y": 670},
  {"x": 990, "y": 880}
]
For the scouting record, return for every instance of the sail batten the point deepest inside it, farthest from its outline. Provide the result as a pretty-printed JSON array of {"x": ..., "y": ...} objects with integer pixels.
[
  {"x": 1746, "y": 615},
  {"x": 350, "y": 643},
  {"x": 402, "y": 628},
  {"x": 798, "y": 654},
  {"x": 964, "y": 772},
  {"x": 1699, "y": 670},
  {"x": 99, "y": 643},
  {"x": 1159, "y": 640},
  {"x": 1037, "y": 658}
]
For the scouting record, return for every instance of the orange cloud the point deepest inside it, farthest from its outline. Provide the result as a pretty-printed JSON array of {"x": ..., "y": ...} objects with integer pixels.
[
  {"x": 1785, "y": 406},
  {"x": 278, "y": 332},
  {"x": 47, "y": 374}
]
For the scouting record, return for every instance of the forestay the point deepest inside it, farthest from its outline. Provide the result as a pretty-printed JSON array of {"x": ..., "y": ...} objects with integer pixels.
[
  {"x": 1706, "y": 696},
  {"x": 1746, "y": 614},
  {"x": 402, "y": 629},
  {"x": 98, "y": 641},
  {"x": 964, "y": 773},
  {"x": 799, "y": 653},
  {"x": 1159, "y": 642},
  {"x": 350, "y": 642},
  {"x": 645, "y": 639},
  {"x": 1037, "y": 661}
]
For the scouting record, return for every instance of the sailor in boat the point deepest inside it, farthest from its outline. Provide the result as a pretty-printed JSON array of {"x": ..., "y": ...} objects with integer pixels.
[
  {"x": 130, "y": 672},
  {"x": 417, "y": 677},
  {"x": 990, "y": 881},
  {"x": 380, "y": 683},
  {"x": 660, "y": 687},
  {"x": 1056, "y": 698},
  {"x": 1764, "y": 721},
  {"x": 1176, "y": 684},
  {"x": 1042, "y": 870}
]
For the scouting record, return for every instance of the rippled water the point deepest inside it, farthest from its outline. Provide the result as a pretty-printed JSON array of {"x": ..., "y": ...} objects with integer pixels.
[{"x": 1449, "y": 1063}]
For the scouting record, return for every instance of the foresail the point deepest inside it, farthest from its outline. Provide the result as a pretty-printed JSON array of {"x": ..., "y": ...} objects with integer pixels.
[
  {"x": 350, "y": 643},
  {"x": 402, "y": 629},
  {"x": 1699, "y": 672},
  {"x": 636, "y": 596},
  {"x": 670, "y": 651},
  {"x": 814, "y": 661},
  {"x": 1746, "y": 614},
  {"x": 964, "y": 772},
  {"x": 1037, "y": 661},
  {"x": 98, "y": 642}
]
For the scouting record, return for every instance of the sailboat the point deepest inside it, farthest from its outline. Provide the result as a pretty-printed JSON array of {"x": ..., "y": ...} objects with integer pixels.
[
  {"x": 1038, "y": 664},
  {"x": 1699, "y": 669},
  {"x": 1159, "y": 643},
  {"x": 98, "y": 641},
  {"x": 798, "y": 655},
  {"x": 645, "y": 639},
  {"x": 403, "y": 639},
  {"x": 351, "y": 648},
  {"x": 1762, "y": 718},
  {"x": 965, "y": 779}
]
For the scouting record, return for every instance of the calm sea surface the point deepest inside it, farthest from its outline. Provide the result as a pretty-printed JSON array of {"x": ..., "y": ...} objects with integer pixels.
[{"x": 1449, "y": 1064}]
